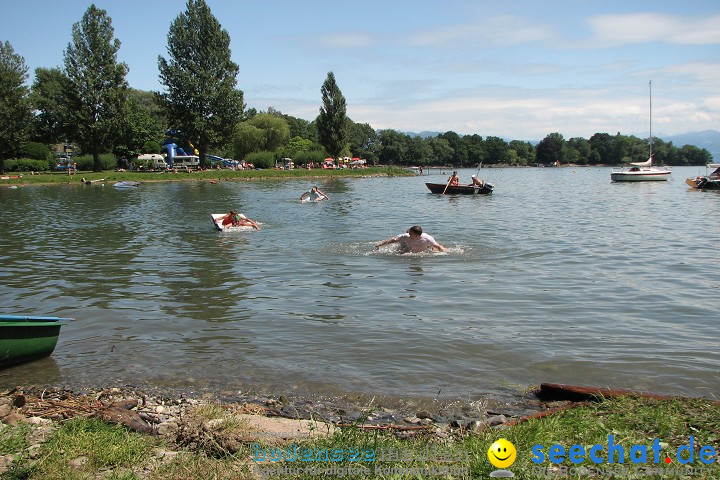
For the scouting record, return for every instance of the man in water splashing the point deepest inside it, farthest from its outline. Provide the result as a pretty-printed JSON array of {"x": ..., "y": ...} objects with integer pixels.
[
  {"x": 414, "y": 241},
  {"x": 314, "y": 195}
]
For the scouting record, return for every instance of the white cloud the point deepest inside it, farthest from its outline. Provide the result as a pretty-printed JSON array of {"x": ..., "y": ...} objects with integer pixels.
[
  {"x": 621, "y": 29},
  {"x": 499, "y": 31},
  {"x": 712, "y": 103},
  {"x": 343, "y": 39},
  {"x": 449, "y": 80},
  {"x": 703, "y": 74},
  {"x": 531, "y": 115},
  {"x": 505, "y": 30}
]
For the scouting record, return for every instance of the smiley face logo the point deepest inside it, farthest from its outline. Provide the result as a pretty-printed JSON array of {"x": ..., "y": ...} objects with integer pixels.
[{"x": 502, "y": 453}]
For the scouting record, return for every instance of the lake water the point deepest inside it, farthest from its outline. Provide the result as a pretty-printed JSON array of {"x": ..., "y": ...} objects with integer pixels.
[{"x": 558, "y": 276}]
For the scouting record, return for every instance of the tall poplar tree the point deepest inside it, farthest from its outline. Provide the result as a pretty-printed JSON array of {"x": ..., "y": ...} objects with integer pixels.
[
  {"x": 331, "y": 125},
  {"x": 97, "y": 88},
  {"x": 201, "y": 100},
  {"x": 15, "y": 111}
]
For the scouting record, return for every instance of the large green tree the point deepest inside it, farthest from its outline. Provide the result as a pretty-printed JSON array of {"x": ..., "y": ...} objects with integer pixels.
[
  {"x": 247, "y": 138},
  {"x": 419, "y": 151},
  {"x": 300, "y": 127},
  {"x": 15, "y": 110},
  {"x": 363, "y": 141},
  {"x": 578, "y": 151},
  {"x": 475, "y": 148},
  {"x": 460, "y": 154},
  {"x": 394, "y": 148},
  {"x": 149, "y": 102},
  {"x": 496, "y": 150},
  {"x": 199, "y": 76},
  {"x": 692, "y": 155},
  {"x": 48, "y": 100},
  {"x": 601, "y": 149},
  {"x": 97, "y": 87},
  {"x": 442, "y": 151},
  {"x": 141, "y": 129},
  {"x": 276, "y": 131},
  {"x": 551, "y": 149},
  {"x": 298, "y": 146},
  {"x": 521, "y": 153},
  {"x": 331, "y": 124}
]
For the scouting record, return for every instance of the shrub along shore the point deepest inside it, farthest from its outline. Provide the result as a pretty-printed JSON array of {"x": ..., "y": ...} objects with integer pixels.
[
  {"x": 183, "y": 176},
  {"x": 49, "y": 433}
]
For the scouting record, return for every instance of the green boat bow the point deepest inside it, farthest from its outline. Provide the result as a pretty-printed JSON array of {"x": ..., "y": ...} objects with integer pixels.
[{"x": 26, "y": 338}]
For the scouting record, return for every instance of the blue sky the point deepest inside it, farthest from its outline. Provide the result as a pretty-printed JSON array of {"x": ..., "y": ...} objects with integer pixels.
[{"x": 513, "y": 69}]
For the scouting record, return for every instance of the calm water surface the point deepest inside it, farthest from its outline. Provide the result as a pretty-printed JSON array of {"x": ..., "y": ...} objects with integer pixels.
[{"x": 559, "y": 276}]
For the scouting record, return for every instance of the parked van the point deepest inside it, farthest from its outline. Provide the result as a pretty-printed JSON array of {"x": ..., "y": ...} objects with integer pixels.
[
  {"x": 155, "y": 160},
  {"x": 186, "y": 161}
]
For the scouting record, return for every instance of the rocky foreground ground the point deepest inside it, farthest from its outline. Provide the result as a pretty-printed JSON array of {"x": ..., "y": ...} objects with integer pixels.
[
  {"x": 209, "y": 437},
  {"x": 188, "y": 422}
]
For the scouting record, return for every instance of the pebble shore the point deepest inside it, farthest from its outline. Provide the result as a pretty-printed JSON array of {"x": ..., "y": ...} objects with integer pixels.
[{"x": 270, "y": 420}]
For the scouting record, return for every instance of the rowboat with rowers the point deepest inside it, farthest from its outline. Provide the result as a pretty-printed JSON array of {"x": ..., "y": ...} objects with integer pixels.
[{"x": 444, "y": 189}]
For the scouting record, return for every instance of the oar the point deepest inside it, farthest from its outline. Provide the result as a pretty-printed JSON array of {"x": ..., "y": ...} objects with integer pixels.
[{"x": 448, "y": 184}]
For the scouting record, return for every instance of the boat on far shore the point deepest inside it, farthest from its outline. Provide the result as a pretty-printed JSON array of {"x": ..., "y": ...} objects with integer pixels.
[
  {"x": 26, "y": 338},
  {"x": 707, "y": 182},
  {"x": 443, "y": 188}
]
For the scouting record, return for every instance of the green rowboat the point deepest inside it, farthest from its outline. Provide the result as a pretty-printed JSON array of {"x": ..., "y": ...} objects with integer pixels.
[{"x": 27, "y": 338}]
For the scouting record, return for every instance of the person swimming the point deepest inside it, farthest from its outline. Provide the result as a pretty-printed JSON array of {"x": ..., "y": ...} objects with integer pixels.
[
  {"x": 313, "y": 195},
  {"x": 413, "y": 241}
]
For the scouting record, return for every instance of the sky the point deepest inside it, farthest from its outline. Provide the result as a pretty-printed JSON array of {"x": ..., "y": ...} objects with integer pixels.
[{"x": 512, "y": 69}]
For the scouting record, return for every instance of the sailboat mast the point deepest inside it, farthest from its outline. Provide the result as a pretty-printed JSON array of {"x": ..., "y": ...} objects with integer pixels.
[{"x": 651, "y": 139}]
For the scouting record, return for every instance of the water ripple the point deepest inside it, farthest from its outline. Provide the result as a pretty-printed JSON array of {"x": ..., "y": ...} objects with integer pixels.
[{"x": 559, "y": 276}]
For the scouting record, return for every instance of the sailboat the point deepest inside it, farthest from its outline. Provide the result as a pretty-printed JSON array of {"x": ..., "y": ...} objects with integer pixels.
[{"x": 642, "y": 171}]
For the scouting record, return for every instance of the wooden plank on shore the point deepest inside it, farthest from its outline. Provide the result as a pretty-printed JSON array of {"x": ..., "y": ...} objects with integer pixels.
[{"x": 581, "y": 393}]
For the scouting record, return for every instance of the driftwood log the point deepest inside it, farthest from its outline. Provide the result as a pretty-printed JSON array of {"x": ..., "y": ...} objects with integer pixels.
[
  {"x": 580, "y": 393},
  {"x": 121, "y": 413}
]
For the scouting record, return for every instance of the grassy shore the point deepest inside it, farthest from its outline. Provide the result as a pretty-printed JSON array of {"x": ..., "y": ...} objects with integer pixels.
[
  {"x": 183, "y": 176},
  {"x": 218, "y": 447}
]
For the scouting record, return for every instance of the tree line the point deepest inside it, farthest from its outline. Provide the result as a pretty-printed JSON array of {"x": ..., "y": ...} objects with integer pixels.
[{"x": 89, "y": 103}]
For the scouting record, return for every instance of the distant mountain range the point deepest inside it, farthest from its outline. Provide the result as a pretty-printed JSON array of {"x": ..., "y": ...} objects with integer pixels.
[
  {"x": 424, "y": 134},
  {"x": 708, "y": 139}
]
